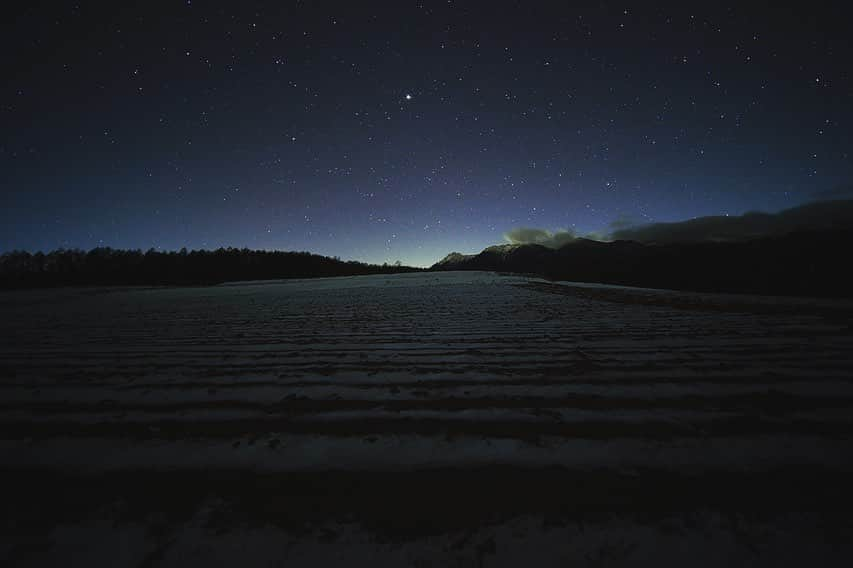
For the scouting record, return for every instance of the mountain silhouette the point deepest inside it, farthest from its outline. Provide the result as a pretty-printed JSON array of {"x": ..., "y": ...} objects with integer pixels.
[{"x": 799, "y": 251}]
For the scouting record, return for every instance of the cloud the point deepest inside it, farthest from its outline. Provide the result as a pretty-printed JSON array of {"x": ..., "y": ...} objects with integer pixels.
[
  {"x": 622, "y": 222},
  {"x": 531, "y": 236},
  {"x": 830, "y": 215},
  {"x": 816, "y": 216},
  {"x": 843, "y": 191}
]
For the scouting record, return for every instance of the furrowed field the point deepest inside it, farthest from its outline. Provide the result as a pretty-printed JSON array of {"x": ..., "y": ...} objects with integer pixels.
[{"x": 432, "y": 418}]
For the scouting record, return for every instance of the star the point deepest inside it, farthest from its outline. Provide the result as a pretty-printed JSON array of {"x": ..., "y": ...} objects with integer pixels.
[{"x": 408, "y": 97}]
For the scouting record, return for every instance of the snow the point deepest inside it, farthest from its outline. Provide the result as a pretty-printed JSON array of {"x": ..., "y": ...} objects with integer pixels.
[{"x": 413, "y": 373}]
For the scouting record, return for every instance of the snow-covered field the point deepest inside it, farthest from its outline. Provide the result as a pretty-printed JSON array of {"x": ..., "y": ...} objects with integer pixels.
[{"x": 493, "y": 418}]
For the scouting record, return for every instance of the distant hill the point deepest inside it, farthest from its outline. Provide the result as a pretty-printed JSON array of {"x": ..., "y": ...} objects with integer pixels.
[
  {"x": 452, "y": 258},
  {"x": 801, "y": 251},
  {"x": 107, "y": 266}
]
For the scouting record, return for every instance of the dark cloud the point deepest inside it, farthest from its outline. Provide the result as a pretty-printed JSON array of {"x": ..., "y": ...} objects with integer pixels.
[
  {"x": 621, "y": 223},
  {"x": 531, "y": 236},
  {"x": 817, "y": 216},
  {"x": 829, "y": 215},
  {"x": 843, "y": 191}
]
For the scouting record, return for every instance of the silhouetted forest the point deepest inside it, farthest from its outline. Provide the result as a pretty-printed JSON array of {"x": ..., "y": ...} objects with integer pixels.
[
  {"x": 107, "y": 266},
  {"x": 804, "y": 263}
]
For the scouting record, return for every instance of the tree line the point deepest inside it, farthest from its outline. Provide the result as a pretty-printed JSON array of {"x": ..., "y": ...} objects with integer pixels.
[{"x": 108, "y": 266}]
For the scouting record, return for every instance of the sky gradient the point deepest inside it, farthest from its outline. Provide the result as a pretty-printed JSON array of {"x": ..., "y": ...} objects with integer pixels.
[{"x": 406, "y": 130}]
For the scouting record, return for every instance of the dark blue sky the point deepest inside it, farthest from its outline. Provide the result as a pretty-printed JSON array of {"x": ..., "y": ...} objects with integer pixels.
[{"x": 405, "y": 130}]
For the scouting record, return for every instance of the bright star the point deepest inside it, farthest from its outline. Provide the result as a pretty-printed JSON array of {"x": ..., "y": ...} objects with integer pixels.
[{"x": 408, "y": 97}]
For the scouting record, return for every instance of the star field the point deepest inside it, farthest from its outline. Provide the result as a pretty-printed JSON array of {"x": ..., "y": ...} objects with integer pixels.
[{"x": 383, "y": 131}]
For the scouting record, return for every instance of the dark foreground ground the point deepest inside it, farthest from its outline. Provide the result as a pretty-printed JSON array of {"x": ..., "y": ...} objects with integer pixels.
[{"x": 455, "y": 419}]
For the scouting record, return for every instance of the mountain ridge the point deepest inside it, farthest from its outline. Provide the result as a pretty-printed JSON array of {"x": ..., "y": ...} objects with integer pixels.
[{"x": 797, "y": 251}]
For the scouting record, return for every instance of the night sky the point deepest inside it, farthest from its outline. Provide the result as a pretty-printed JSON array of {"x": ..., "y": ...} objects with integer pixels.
[{"x": 381, "y": 131}]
